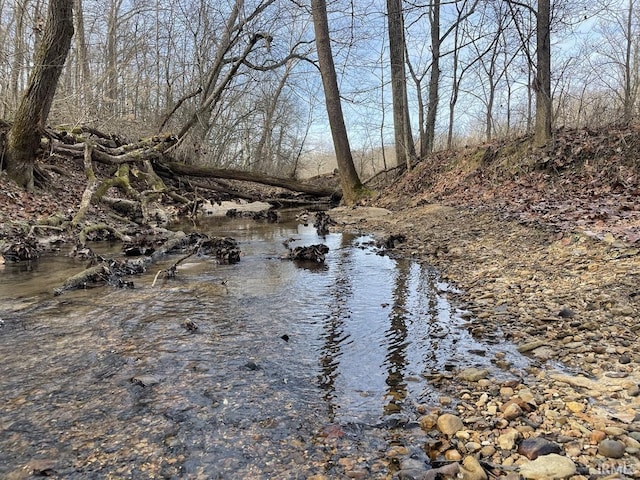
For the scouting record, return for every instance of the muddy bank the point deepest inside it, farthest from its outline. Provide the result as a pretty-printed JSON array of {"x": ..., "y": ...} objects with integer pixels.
[{"x": 568, "y": 301}]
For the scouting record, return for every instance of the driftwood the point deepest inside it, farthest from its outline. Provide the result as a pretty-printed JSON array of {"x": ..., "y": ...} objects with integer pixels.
[
  {"x": 110, "y": 271},
  {"x": 322, "y": 223},
  {"x": 171, "y": 271},
  {"x": 311, "y": 253},
  {"x": 113, "y": 271}
]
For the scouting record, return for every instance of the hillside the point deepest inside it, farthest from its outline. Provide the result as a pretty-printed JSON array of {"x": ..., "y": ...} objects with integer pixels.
[{"x": 588, "y": 180}]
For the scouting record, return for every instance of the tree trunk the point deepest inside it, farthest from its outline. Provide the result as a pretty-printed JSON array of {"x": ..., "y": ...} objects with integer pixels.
[
  {"x": 19, "y": 56},
  {"x": 405, "y": 150},
  {"x": 111, "y": 91},
  {"x": 434, "y": 79},
  {"x": 24, "y": 136},
  {"x": 82, "y": 72},
  {"x": 349, "y": 180},
  {"x": 543, "y": 75},
  {"x": 630, "y": 38}
]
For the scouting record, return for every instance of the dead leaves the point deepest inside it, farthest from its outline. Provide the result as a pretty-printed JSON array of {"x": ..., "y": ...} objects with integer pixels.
[{"x": 588, "y": 181}]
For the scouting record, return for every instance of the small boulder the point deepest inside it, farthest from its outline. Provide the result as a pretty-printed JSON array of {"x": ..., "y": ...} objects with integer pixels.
[
  {"x": 428, "y": 421},
  {"x": 473, "y": 374},
  {"x": 512, "y": 411},
  {"x": 507, "y": 440},
  {"x": 535, "y": 447},
  {"x": 611, "y": 448},
  {"x": 449, "y": 424},
  {"x": 548, "y": 467},
  {"x": 472, "y": 470}
]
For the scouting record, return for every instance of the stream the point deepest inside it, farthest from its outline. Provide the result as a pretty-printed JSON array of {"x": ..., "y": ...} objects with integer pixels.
[{"x": 294, "y": 370}]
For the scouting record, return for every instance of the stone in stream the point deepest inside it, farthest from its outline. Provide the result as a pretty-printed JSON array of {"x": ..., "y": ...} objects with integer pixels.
[
  {"x": 189, "y": 325},
  {"x": 446, "y": 471},
  {"x": 548, "y": 467},
  {"x": 251, "y": 365},
  {"x": 611, "y": 448},
  {"x": 527, "y": 347},
  {"x": 535, "y": 447},
  {"x": 473, "y": 374},
  {"x": 145, "y": 380},
  {"x": 427, "y": 422}
]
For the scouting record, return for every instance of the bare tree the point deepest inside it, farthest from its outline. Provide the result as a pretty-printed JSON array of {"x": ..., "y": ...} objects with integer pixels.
[
  {"x": 23, "y": 139},
  {"x": 19, "y": 66},
  {"x": 349, "y": 180},
  {"x": 617, "y": 52},
  {"x": 544, "y": 111},
  {"x": 437, "y": 42},
  {"x": 405, "y": 149}
]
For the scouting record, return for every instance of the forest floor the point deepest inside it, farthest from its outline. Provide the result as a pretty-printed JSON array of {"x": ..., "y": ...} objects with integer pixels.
[{"x": 543, "y": 249}]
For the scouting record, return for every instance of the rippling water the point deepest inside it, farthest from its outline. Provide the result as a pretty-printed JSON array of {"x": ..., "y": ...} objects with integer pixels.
[{"x": 293, "y": 369}]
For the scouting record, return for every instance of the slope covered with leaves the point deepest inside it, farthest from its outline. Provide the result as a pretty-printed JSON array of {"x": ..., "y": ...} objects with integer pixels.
[{"x": 587, "y": 181}]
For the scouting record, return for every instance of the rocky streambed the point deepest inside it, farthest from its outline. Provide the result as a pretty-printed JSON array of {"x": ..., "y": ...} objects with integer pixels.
[{"x": 569, "y": 301}]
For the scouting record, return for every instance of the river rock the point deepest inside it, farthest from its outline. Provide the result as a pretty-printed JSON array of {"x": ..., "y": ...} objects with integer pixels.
[
  {"x": 449, "y": 424},
  {"x": 507, "y": 440},
  {"x": 611, "y": 448},
  {"x": 575, "y": 407},
  {"x": 411, "y": 474},
  {"x": 615, "y": 431},
  {"x": 512, "y": 411},
  {"x": 447, "y": 471},
  {"x": 472, "y": 470},
  {"x": 548, "y": 467},
  {"x": 535, "y": 447},
  {"x": 452, "y": 455},
  {"x": 473, "y": 374},
  {"x": 428, "y": 421},
  {"x": 145, "y": 380},
  {"x": 527, "y": 347}
]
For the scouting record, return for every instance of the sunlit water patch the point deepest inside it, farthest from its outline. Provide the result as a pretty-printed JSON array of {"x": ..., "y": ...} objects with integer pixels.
[{"x": 291, "y": 368}]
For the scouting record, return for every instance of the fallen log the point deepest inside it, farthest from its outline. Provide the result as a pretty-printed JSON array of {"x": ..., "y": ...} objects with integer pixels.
[
  {"x": 83, "y": 279},
  {"x": 172, "y": 169},
  {"x": 104, "y": 270}
]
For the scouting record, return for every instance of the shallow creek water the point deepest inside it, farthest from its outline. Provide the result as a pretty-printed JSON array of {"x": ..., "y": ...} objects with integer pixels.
[{"x": 295, "y": 370}]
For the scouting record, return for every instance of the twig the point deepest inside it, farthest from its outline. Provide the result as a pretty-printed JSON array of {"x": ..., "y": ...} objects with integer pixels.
[{"x": 171, "y": 271}]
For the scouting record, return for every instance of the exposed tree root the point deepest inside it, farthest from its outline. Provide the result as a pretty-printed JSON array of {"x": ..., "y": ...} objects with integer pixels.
[
  {"x": 92, "y": 184},
  {"x": 82, "y": 236}
]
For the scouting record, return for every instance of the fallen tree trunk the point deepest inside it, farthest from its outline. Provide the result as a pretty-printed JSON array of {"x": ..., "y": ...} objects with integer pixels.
[{"x": 175, "y": 168}]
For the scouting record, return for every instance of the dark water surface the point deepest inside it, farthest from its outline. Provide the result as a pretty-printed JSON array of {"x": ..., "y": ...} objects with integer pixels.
[{"x": 294, "y": 371}]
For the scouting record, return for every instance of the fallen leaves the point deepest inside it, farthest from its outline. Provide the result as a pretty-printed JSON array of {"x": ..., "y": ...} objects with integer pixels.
[{"x": 588, "y": 181}]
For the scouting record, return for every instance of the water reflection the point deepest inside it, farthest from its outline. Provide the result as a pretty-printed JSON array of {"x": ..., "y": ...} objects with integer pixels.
[{"x": 396, "y": 358}]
